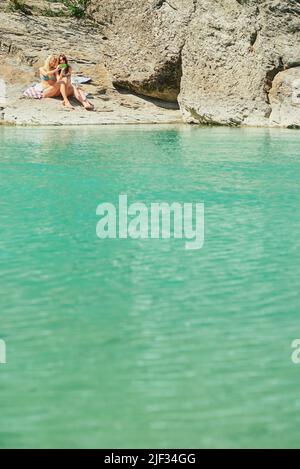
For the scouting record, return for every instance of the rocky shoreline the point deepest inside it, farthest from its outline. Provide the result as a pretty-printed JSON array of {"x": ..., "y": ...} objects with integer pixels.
[{"x": 213, "y": 62}]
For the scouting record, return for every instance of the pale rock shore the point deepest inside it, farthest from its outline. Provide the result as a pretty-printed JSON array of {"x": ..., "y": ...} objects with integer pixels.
[
  {"x": 211, "y": 62},
  {"x": 109, "y": 108}
]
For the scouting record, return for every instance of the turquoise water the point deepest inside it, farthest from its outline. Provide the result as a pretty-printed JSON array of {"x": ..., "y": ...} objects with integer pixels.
[{"x": 140, "y": 343}]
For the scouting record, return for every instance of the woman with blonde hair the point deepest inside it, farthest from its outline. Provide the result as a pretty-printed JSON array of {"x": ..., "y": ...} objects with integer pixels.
[{"x": 48, "y": 74}]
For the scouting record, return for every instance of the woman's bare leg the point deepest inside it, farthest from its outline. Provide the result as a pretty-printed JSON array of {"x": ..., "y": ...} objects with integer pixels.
[
  {"x": 51, "y": 91},
  {"x": 81, "y": 97},
  {"x": 66, "y": 89},
  {"x": 65, "y": 92}
]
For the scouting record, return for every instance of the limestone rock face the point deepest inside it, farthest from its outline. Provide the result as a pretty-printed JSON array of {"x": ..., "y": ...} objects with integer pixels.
[
  {"x": 145, "y": 40},
  {"x": 25, "y": 42},
  {"x": 233, "y": 51},
  {"x": 285, "y": 99},
  {"x": 220, "y": 56}
]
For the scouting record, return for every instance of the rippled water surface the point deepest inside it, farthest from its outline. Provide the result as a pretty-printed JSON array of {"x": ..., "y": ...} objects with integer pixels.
[{"x": 123, "y": 343}]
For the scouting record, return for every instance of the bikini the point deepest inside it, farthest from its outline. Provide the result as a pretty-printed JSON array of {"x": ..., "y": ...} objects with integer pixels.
[{"x": 47, "y": 78}]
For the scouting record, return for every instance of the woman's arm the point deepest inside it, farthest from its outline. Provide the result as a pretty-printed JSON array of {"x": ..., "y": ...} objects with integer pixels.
[
  {"x": 49, "y": 72},
  {"x": 69, "y": 74},
  {"x": 62, "y": 75},
  {"x": 53, "y": 72}
]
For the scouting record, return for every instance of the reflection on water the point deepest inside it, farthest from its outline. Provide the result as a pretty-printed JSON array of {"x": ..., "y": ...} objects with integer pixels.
[{"x": 126, "y": 343}]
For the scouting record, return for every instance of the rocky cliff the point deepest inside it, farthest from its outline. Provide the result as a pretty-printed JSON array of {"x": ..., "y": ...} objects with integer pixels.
[
  {"x": 27, "y": 39},
  {"x": 219, "y": 58},
  {"x": 228, "y": 62},
  {"x": 145, "y": 42}
]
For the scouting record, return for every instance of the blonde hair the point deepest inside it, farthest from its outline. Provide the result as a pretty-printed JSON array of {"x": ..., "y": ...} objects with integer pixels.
[{"x": 49, "y": 59}]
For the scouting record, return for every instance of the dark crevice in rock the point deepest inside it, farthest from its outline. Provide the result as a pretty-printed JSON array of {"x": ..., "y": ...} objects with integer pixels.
[
  {"x": 253, "y": 38},
  {"x": 160, "y": 3},
  {"x": 270, "y": 75},
  {"x": 293, "y": 8},
  {"x": 293, "y": 64},
  {"x": 195, "y": 6}
]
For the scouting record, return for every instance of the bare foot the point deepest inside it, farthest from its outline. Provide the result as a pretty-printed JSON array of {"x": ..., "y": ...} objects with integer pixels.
[
  {"x": 88, "y": 106},
  {"x": 68, "y": 105}
]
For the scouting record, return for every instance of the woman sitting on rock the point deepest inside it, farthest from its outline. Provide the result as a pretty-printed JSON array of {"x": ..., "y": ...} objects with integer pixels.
[
  {"x": 48, "y": 74},
  {"x": 66, "y": 87},
  {"x": 56, "y": 81}
]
